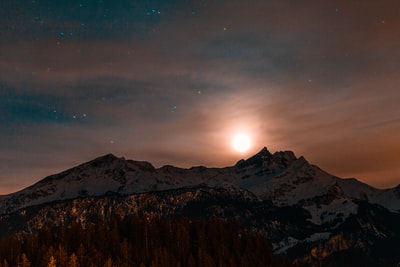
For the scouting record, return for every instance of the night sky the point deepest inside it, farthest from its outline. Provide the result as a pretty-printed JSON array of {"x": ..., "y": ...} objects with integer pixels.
[{"x": 171, "y": 82}]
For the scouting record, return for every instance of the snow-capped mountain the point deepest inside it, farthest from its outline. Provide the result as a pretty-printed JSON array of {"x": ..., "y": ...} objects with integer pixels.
[
  {"x": 302, "y": 209},
  {"x": 280, "y": 177}
]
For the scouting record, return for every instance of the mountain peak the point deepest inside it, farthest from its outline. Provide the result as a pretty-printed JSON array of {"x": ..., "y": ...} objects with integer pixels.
[
  {"x": 285, "y": 155},
  {"x": 266, "y": 158},
  {"x": 106, "y": 157},
  {"x": 263, "y": 154},
  {"x": 256, "y": 159},
  {"x": 264, "y": 150},
  {"x": 280, "y": 175}
]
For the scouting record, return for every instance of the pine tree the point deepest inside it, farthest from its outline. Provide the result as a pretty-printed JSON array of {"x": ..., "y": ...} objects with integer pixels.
[
  {"x": 124, "y": 250},
  {"x": 24, "y": 262},
  {"x": 52, "y": 262},
  {"x": 73, "y": 261},
  {"x": 81, "y": 254},
  {"x": 62, "y": 255},
  {"x": 108, "y": 263}
]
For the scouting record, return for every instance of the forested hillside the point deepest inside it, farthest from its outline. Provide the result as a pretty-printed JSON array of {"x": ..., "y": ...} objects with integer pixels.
[{"x": 140, "y": 242}]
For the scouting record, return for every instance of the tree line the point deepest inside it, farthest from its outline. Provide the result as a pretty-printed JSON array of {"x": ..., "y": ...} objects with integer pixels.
[{"x": 141, "y": 242}]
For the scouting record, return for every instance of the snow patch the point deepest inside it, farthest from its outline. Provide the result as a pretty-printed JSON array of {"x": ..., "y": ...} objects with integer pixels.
[
  {"x": 318, "y": 236},
  {"x": 284, "y": 245},
  {"x": 338, "y": 209}
]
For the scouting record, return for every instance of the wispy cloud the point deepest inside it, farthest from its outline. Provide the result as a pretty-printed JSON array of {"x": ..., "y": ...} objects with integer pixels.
[{"x": 318, "y": 78}]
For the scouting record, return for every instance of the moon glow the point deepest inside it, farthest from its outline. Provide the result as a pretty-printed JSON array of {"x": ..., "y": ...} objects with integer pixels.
[{"x": 241, "y": 142}]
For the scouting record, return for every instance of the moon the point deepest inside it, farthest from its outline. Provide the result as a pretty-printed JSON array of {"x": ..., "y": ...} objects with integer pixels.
[{"x": 241, "y": 142}]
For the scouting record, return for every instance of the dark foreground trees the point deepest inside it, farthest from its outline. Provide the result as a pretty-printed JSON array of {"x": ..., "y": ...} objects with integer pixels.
[{"x": 141, "y": 242}]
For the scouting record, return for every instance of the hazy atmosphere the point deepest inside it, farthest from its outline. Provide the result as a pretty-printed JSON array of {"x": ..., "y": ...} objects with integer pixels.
[{"x": 171, "y": 82}]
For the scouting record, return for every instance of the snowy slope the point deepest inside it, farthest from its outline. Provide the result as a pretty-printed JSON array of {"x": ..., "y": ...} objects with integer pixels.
[{"x": 280, "y": 177}]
